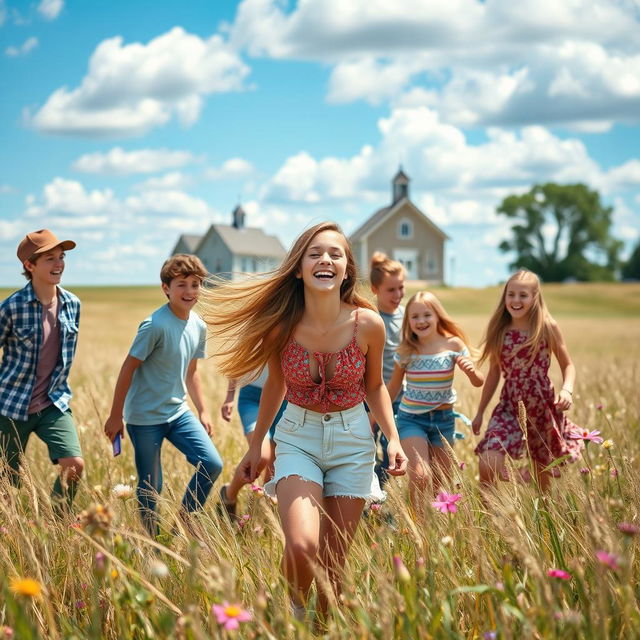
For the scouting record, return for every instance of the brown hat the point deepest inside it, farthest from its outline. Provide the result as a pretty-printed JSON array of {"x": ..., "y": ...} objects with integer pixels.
[{"x": 39, "y": 242}]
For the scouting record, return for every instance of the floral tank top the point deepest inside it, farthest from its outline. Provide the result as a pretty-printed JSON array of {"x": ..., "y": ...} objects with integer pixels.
[{"x": 344, "y": 389}]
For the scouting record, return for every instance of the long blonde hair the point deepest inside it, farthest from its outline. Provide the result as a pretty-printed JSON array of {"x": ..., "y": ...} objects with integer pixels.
[
  {"x": 242, "y": 314},
  {"x": 539, "y": 321},
  {"x": 409, "y": 343}
]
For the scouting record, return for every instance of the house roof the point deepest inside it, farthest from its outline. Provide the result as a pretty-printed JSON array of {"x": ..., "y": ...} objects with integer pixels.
[
  {"x": 249, "y": 241},
  {"x": 381, "y": 215},
  {"x": 189, "y": 241}
]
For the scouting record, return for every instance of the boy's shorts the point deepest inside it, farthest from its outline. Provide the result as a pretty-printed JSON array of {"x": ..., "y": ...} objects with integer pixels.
[
  {"x": 335, "y": 450},
  {"x": 435, "y": 426},
  {"x": 54, "y": 427},
  {"x": 248, "y": 405}
]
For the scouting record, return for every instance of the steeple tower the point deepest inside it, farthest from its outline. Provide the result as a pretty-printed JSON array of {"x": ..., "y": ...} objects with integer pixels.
[
  {"x": 400, "y": 186},
  {"x": 238, "y": 217}
]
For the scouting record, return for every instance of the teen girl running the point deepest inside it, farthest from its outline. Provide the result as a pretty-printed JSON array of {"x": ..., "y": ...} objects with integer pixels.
[
  {"x": 432, "y": 345},
  {"x": 519, "y": 341},
  {"x": 323, "y": 344}
]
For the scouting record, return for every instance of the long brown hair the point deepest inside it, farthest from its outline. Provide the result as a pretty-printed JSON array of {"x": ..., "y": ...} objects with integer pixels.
[
  {"x": 242, "y": 314},
  {"x": 539, "y": 321},
  {"x": 409, "y": 342}
]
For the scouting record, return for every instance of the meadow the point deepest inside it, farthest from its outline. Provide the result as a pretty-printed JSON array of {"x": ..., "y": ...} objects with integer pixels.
[{"x": 518, "y": 564}]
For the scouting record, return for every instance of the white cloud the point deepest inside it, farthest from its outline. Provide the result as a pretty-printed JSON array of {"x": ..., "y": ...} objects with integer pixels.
[
  {"x": 625, "y": 176},
  {"x": 230, "y": 169},
  {"x": 28, "y": 45},
  {"x": 172, "y": 181},
  {"x": 50, "y": 9},
  {"x": 131, "y": 88},
  {"x": 6, "y": 188},
  {"x": 117, "y": 161},
  {"x": 170, "y": 202}
]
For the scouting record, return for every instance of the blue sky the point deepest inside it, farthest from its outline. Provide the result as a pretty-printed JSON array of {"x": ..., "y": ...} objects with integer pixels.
[{"x": 124, "y": 124}]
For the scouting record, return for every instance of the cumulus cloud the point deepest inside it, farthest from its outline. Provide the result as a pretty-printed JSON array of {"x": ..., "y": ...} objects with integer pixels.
[
  {"x": 172, "y": 181},
  {"x": 50, "y": 9},
  {"x": 170, "y": 203},
  {"x": 131, "y": 88},
  {"x": 117, "y": 161},
  {"x": 230, "y": 169},
  {"x": 28, "y": 45}
]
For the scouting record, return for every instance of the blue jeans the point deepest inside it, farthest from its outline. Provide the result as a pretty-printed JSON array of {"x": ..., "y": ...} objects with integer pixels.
[{"x": 187, "y": 435}]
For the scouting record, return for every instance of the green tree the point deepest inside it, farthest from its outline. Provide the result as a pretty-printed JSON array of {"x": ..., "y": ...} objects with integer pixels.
[
  {"x": 631, "y": 268},
  {"x": 561, "y": 231}
]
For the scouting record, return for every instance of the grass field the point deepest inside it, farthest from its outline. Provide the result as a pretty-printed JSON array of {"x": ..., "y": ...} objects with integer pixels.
[{"x": 479, "y": 573}]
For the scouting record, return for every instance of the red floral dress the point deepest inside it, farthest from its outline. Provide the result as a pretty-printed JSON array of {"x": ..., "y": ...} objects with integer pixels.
[{"x": 547, "y": 427}]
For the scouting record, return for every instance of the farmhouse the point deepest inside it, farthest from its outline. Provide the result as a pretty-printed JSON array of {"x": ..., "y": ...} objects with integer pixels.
[
  {"x": 226, "y": 250},
  {"x": 405, "y": 234}
]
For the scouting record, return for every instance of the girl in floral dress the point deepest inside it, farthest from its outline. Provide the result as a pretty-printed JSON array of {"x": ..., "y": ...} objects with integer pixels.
[{"x": 519, "y": 340}]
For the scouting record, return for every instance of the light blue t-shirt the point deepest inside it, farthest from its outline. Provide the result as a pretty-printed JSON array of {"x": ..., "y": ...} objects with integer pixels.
[{"x": 166, "y": 345}]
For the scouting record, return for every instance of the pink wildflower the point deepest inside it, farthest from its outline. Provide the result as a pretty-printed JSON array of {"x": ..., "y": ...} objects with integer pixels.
[
  {"x": 6, "y": 633},
  {"x": 613, "y": 473},
  {"x": 400, "y": 570},
  {"x": 446, "y": 502},
  {"x": 243, "y": 520},
  {"x": 587, "y": 436},
  {"x": 559, "y": 573},
  {"x": 628, "y": 528},
  {"x": 376, "y": 506},
  {"x": 585, "y": 471},
  {"x": 610, "y": 560},
  {"x": 599, "y": 407},
  {"x": 230, "y": 615},
  {"x": 462, "y": 466},
  {"x": 256, "y": 488}
]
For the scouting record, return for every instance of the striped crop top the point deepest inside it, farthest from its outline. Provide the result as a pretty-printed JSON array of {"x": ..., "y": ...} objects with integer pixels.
[
  {"x": 429, "y": 380},
  {"x": 344, "y": 389}
]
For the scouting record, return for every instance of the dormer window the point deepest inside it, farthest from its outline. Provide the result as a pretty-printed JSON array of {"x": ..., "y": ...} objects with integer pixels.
[{"x": 405, "y": 229}]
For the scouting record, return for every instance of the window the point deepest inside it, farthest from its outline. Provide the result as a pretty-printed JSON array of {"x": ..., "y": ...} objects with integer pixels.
[
  {"x": 431, "y": 261},
  {"x": 405, "y": 229}
]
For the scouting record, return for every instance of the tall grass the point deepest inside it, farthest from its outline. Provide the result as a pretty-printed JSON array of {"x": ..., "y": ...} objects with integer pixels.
[{"x": 471, "y": 574}]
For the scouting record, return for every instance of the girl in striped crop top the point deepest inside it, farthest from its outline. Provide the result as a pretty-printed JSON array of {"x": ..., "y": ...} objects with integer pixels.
[
  {"x": 323, "y": 344},
  {"x": 431, "y": 346}
]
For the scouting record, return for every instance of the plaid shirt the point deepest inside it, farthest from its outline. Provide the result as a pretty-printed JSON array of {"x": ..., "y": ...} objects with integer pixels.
[{"x": 20, "y": 339}]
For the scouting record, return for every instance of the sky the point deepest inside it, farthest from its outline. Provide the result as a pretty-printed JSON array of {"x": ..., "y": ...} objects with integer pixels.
[{"x": 126, "y": 123}]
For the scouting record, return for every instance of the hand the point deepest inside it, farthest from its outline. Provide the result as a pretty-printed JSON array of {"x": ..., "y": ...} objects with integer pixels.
[
  {"x": 476, "y": 423},
  {"x": 112, "y": 427},
  {"x": 226, "y": 410},
  {"x": 466, "y": 365},
  {"x": 397, "y": 458},
  {"x": 205, "y": 420},
  {"x": 252, "y": 464},
  {"x": 563, "y": 400}
]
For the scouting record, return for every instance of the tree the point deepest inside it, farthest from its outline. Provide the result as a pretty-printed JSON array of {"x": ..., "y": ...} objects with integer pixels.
[
  {"x": 560, "y": 232},
  {"x": 631, "y": 268}
]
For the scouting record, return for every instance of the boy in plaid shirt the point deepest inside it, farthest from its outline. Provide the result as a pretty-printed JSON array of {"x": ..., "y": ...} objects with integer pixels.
[{"x": 38, "y": 336}]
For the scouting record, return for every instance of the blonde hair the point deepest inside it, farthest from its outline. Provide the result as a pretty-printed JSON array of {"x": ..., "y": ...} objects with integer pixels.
[
  {"x": 409, "y": 342},
  {"x": 539, "y": 321},
  {"x": 381, "y": 266},
  {"x": 242, "y": 314}
]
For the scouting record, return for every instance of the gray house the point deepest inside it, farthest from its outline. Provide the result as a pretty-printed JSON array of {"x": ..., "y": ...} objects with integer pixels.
[
  {"x": 228, "y": 250},
  {"x": 405, "y": 234}
]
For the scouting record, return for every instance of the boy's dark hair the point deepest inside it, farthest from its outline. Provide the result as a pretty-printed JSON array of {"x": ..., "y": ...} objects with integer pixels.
[
  {"x": 32, "y": 259},
  {"x": 184, "y": 265}
]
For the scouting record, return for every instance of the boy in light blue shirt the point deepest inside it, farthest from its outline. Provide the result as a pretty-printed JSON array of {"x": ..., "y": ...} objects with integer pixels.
[{"x": 159, "y": 370}]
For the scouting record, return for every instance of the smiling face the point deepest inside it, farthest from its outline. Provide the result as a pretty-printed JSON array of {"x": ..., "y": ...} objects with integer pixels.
[
  {"x": 519, "y": 298},
  {"x": 183, "y": 292},
  {"x": 423, "y": 320},
  {"x": 389, "y": 292},
  {"x": 324, "y": 264},
  {"x": 48, "y": 267}
]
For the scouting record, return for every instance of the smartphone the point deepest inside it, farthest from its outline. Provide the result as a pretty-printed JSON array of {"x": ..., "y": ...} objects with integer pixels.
[{"x": 117, "y": 445}]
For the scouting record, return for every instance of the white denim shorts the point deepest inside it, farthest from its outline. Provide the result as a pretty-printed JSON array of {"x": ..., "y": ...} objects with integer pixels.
[{"x": 335, "y": 450}]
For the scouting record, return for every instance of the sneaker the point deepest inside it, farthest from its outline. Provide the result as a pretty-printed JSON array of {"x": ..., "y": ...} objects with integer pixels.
[{"x": 224, "y": 506}]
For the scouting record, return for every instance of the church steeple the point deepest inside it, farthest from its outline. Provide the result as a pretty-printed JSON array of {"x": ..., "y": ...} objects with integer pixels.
[
  {"x": 400, "y": 186},
  {"x": 238, "y": 217}
]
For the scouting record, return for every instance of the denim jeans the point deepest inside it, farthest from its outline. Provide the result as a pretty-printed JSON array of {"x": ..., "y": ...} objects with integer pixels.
[{"x": 187, "y": 435}]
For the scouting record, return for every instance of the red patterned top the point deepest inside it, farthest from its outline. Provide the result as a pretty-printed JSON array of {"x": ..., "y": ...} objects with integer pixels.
[{"x": 344, "y": 389}]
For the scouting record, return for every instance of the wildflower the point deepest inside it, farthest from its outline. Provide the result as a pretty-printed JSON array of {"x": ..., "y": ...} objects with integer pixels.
[
  {"x": 446, "y": 541},
  {"x": 587, "y": 436},
  {"x": 585, "y": 471},
  {"x": 374, "y": 546},
  {"x": 610, "y": 560},
  {"x": 613, "y": 473},
  {"x": 599, "y": 407},
  {"x": 114, "y": 574},
  {"x": 559, "y": 573},
  {"x": 99, "y": 564},
  {"x": 490, "y": 635},
  {"x": 242, "y": 520},
  {"x": 6, "y": 633},
  {"x": 4, "y": 531},
  {"x": 376, "y": 506},
  {"x": 159, "y": 569},
  {"x": 400, "y": 570},
  {"x": 628, "y": 528},
  {"x": 95, "y": 520},
  {"x": 462, "y": 466},
  {"x": 446, "y": 502},
  {"x": 122, "y": 491},
  {"x": 80, "y": 604},
  {"x": 256, "y": 488},
  {"x": 27, "y": 587},
  {"x": 421, "y": 570},
  {"x": 607, "y": 444},
  {"x": 230, "y": 615}
]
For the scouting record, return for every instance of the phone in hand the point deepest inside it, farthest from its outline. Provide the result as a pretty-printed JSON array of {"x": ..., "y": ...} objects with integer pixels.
[{"x": 117, "y": 445}]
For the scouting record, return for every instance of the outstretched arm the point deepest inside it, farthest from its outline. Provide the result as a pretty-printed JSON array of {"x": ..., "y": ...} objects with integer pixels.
[
  {"x": 194, "y": 388},
  {"x": 115, "y": 424},
  {"x": 490, "y": 385},
  {"x": 564, "y": 398}
]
